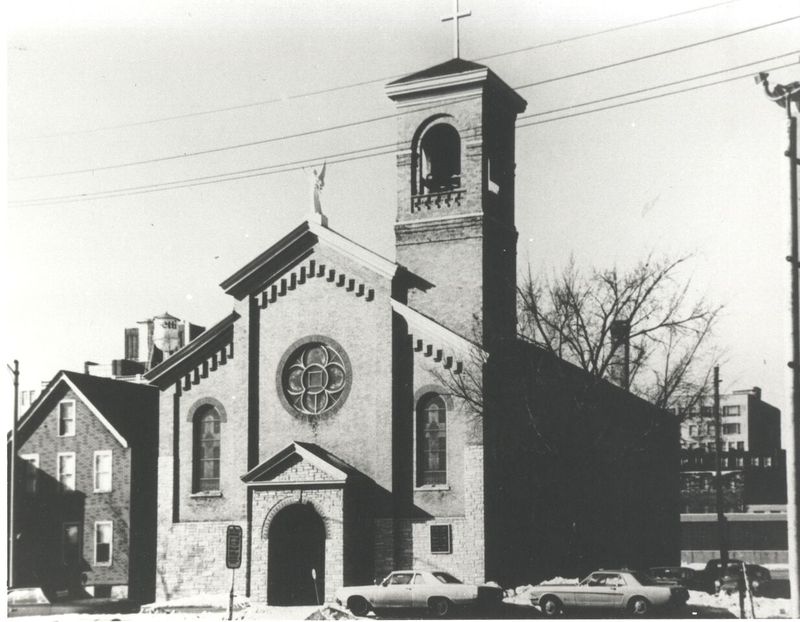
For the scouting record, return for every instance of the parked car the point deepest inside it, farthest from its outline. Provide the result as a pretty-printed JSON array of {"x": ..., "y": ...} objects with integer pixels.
[
  {"x": 32, "y": 601},
  {"x": 705, "y": 580},
  {"x": 757, "y": 577},
  {"x": 623, "y": 590},
  {"x": 438, "y": 592},
  {"x": 678, "y": 575}
]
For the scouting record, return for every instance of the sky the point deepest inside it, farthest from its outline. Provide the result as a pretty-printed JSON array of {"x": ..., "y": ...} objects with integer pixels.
[{"x": 120, "y": 96}]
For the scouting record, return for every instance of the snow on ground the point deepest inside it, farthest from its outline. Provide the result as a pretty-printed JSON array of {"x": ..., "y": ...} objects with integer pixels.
[
  {"x": 251, "y": 613},
  {"x": 764, "y": 607},
  {"x": 199, "y": 601}
]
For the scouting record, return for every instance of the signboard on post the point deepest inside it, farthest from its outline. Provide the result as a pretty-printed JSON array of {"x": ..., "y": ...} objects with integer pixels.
[{"x": 233, "y": 547}]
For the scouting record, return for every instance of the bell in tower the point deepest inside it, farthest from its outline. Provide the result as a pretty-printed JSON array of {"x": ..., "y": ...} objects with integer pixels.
[{"x": 455, "y": 211}]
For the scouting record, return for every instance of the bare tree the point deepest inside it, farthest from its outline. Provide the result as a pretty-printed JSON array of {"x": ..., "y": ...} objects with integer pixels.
[{"x": 572, "y": 314}]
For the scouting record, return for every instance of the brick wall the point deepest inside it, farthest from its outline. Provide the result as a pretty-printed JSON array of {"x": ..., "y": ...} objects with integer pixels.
[
  {"x": 191, "y": 559},
  {"x": 53, "y": 508},
  {"x": 328, "y": 503}
]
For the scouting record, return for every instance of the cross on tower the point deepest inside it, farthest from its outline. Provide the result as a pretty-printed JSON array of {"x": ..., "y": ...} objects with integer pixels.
[{"x": 455, "y": 17}]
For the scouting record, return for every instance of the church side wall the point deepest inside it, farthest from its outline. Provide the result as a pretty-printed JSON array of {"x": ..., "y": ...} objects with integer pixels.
[
  {"x": 459, "y": 503},
  {"x": 191, "y": 526}
]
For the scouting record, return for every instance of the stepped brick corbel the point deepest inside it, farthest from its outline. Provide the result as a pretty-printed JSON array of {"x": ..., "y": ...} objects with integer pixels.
[
  {"x": 432, "y": 340},
  {"x": 313, "y": 269},
  {"x": 211, "y": 364}
]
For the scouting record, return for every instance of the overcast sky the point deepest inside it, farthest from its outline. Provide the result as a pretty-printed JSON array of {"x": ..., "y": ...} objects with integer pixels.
[{"x": 96, "y": 85}]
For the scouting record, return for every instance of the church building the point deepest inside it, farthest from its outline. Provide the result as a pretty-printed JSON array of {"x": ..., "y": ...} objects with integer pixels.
[{"x": 357, "y": 415}]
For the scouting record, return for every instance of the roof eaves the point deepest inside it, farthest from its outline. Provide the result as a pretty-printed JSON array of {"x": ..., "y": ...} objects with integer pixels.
[{"x": 190, "y": 349}]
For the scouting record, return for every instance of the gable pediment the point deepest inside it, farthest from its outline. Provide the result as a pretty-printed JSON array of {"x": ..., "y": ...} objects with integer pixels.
[
  {"x": 299, "y": 464},
  {"x": 286, "y": 264}
]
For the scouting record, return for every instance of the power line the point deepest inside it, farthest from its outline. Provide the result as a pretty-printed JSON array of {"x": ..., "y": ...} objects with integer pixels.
[
  {"x": 382, "y": 117},
  {"x": 183, "y": 183},
  {"x": 356, "y": 154},
  {"x": 652, "y": 97},
  {"x": 276, "y": 100},
  {"x": 608, "y": 30},
  {"x": 656, "y": 54},
  {"x": 656, "y": 87}
]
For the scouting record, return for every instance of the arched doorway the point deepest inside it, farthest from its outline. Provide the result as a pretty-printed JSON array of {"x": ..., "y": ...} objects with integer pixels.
[{"x": 296, "y": 546}]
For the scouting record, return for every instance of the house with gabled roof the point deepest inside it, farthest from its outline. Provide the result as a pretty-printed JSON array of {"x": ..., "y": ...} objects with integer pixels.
[
  {"x": 356, "y": 415},
  {"x": 85, "y": 488}
]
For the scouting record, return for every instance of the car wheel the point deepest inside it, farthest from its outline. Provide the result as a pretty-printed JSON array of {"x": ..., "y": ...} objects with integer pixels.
[
  {"x": 639, "y": 606},
  {"x": 551, "y": 606},
  {"x": 358, "y": 606},
  {"x": 440, "y": 607}
]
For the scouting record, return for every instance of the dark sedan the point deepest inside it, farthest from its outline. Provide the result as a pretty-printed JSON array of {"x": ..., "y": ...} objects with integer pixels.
[
  {"x": 679, "y": 575},
  {"x": 732, "y": 578}
]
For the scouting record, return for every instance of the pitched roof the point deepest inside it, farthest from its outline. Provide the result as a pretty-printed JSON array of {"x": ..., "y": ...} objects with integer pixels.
[
  {"x": 337, "y": 469},
  {"x": 293, "y": 248},
  {"x": 452, "y": 66},
  {"x": 119, "y": 405},
  {"x": 165, "y": 372}
]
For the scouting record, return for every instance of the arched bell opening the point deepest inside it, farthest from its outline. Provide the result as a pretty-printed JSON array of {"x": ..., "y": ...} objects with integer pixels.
[{"x": 438, "y": 160}]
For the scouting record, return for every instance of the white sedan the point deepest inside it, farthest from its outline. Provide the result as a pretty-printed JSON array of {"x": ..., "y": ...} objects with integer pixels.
[
  {"x": 622, "y": 590},
  {"x": 438, "y": 592}
]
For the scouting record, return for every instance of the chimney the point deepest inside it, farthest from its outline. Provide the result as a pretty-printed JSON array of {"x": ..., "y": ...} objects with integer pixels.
[{"x": 620, "y": 366}]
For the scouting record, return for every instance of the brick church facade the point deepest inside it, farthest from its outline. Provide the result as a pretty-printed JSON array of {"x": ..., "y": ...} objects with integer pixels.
[{"x": 324, "y": 414}]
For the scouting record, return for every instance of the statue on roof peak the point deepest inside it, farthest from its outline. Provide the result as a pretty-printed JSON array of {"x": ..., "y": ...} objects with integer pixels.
[{"x": 318, "y": 183}]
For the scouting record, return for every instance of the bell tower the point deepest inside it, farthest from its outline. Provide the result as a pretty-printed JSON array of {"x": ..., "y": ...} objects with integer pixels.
[{"x": 455, "y": 210}]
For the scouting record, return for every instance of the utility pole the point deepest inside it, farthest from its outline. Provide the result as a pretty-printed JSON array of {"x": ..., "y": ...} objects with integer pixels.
[
  {"x": 721, "y": 520},
  {"x": 785, "y": 96},
  {"x": 12, "y": 487}
]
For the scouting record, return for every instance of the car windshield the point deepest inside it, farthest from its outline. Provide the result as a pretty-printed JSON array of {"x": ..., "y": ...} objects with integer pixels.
[{"x": 445, "y": 578}]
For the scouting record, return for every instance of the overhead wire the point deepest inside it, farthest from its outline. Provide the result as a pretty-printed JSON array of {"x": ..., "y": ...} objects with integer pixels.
[
  {"x": 333, "y": 89},
  {"x": 356, "y": 154},
  {"x": 389, "y": 116},
  {"x": 656, "y": 54}
]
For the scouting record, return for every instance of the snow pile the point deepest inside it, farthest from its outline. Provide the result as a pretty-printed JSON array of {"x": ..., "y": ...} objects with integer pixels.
[
  {"x": 198, "y": 602},
  {"x": 331, "y": 611},
  {"x": 521, "y": 595},
  {"x": 764, "y": 607}
]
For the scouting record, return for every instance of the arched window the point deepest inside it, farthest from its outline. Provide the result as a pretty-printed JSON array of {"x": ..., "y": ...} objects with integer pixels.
[
  {"x": 206, "y": 449},
  {"x": 439, "y": 160},
  {"x": 431, "y": 441}
]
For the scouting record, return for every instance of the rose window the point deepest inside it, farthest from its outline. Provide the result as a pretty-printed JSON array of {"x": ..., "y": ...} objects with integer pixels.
[{"x": 315, "y": 378}]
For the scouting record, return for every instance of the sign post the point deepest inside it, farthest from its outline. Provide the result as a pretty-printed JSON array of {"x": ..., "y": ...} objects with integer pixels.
[{"x": 233, "y": 558}]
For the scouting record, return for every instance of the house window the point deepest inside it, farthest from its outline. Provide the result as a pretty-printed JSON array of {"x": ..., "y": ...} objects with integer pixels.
[
  {"x": 30, "y": 474},
  {"x": 102, "y": 471},
  {"x": 66, "y": 470},
  {"x": 767, "y": 461},
  {"x": 206, "y": 449},
  {"x": 731, "y": 411},
  {"x": 66, "y": 418},
  {"x": 103, "y": 534},
  {"x": 441, "y": 539},
  {"x": 731, "y": 428},
  {"x": 71, "y": 544},
  {"x": 432, "y": 441},
  {"x": 740, "y": 461},
  {"x": 740, "y": 445}
]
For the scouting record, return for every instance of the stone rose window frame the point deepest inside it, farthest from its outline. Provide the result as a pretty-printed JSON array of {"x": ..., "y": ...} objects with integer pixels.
[{"x": 314, "y": 378}]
